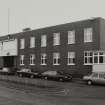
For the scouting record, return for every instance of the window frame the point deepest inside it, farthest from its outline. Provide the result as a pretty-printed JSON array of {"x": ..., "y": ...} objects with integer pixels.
[
  {"x": 88, "y": 34},
  {"x": 43, "y": 40},
  {"x": 71, "y": 58},
  {"x": 56, "y": 39},
  {"x": 94, "y": 55},
  {"x": 22, "y": 60},
  {"x": 22, "y": 43},
  {"x": 43, "y": 59},
  {"x": 71, "y": 37},
  {"x": 32, "y": 42},
  {"x": 32, "y": 59},
  {"x": 56, "y": 58}
]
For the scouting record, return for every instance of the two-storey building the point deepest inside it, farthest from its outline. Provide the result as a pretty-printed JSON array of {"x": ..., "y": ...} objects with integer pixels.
[{"x": 72, "y": 47}]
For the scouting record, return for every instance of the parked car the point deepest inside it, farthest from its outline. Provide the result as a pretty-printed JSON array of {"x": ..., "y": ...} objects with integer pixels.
[
  {"x": 7, "y": 71},
  {"x": 27, "y": 73},
  {"x": 56, "y": 75},
  {"x": 95, "y": 77}
]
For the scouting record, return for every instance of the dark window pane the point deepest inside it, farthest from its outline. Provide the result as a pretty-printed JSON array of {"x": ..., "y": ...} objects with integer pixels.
[
  {"x": 96, "y": 59},
  {"x": 101, "y": 59},
  {"x": 85, "y": 60},
  {"x": 58, "y": 61},
  {"x": 73, "y": 60},
  {"x": 54, "y": 61},
  {"x": 45, "y": 60},
  {"x": 85, "y": 53},
  {"x": 91, "y": 60}
]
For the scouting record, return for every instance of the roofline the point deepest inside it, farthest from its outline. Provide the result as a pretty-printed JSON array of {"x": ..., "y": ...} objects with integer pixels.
[{"x": 74, "y": 22}]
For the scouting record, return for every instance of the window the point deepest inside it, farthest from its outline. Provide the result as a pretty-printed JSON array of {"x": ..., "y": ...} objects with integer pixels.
[
  {"x": 43, "y": 59},
  {"x": 88, "y": 34},
  {"x": 32, "y": 59},
  {"x": 71, "y": 58},
  {"x": 56, "y": 39},
  {"x": 71, "y": 37},
  {"x": 32, "y": 42},
  {"x": 88, "y": 57},
  {"x": 43, "y": 41},
  {"x": 97, "y": 57},
  {"x": 21, "y": 59},
  {"x": 95, "y": 75},
  {"x": 56, "y": 59},
  {"x": 22, "y": 43}
]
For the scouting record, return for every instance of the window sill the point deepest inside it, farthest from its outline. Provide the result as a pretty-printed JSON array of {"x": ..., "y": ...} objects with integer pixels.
[
  {"x": 56, "y": 64},
  {"x": 88, "y": 41},
  {"x": 56, "y": 45},
  {"x": 43, "y": 46},
  {"x": 32, "y": 47},
  {"x": 71, "y": 64},
  {"x": 32, "y": 64},
  {"x": 88, "y": 64},
  {"x": 21, "y": 64},
  {"x": 43, "y": 64},
  {"x": 70, "y": 43}
]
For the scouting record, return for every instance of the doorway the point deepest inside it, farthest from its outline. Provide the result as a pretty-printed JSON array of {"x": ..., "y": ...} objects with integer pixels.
[{"x": 8, "y": 61}]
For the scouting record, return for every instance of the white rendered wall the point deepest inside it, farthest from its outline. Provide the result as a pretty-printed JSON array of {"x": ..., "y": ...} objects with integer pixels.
[{"x": 8, "y": 48}]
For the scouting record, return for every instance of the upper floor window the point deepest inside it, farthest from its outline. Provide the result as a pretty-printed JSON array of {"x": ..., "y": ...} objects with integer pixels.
[
  {"x": 88, "y": 33},
  {"x": 32, "y": 59},
  {"x": 71, "y": 37},
  {"x": 32, "y": 42},
  {"x": 71, "y": 58},
  {"x": 43, "y": 59},
  {"x": 22, "y": 43},
  {"x": 21, "y": 59},
  {"x": 56, "y": 58},
  {"x": 43, "y": 41},
  {"x": 56, "y": 40}
]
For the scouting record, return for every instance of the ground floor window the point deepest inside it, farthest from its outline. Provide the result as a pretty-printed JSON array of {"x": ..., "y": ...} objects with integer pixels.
[
  {"x": 21, "y": 59},
  {"x": 43, "y": 59},
  {"x": 71, "y": 58},
  {"x": 32, "y": 59},
  {"x": 56, "y": 58},
  {"x": 94, "y": 57},
  {"x": 88, "y": 57}
]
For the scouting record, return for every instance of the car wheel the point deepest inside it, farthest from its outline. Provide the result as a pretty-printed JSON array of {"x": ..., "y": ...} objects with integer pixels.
[
  {"x": 89, "y": 82},
  {"x": 32, "y": 76},
  {"x": 61, "y": 79},
  {"x": 45, "y": 78},
  {"x": 20, "y": 75}
]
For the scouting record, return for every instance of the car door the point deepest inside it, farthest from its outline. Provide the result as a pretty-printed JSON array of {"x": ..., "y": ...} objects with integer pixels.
[{"x": 95, "y": 78}]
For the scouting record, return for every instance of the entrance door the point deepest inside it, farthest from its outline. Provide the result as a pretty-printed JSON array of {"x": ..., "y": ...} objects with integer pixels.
[{"x": 8, "y": 61}]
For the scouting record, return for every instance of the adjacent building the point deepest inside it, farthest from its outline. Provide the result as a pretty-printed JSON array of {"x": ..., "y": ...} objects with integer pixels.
[{"x": 72, "y": 47}]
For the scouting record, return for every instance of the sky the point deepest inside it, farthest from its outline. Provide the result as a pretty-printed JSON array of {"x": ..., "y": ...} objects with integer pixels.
[{"x": 43, "y": 13}]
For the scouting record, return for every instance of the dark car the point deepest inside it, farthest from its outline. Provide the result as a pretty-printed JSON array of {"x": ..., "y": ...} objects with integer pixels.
[
  {"x": 27, "y": 73},
  {"x": 56, "y": 75}
]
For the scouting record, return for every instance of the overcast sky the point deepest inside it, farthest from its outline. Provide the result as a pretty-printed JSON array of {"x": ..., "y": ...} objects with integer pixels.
[{"x": 41, "y": 13}]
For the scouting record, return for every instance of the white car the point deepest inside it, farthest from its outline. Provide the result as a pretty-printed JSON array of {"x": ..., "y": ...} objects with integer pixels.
[{"x": 95, "y": 77}]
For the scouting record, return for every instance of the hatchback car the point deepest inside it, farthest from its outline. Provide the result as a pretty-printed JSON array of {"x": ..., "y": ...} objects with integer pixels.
[
  {"x": 56, "y": 75},
  {"x": 26, "y": 73},
  {"x": 95, "y": 77}
]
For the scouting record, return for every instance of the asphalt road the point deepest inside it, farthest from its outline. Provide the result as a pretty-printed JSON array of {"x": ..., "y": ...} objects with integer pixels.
[{"x": 61, "y": 94}]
